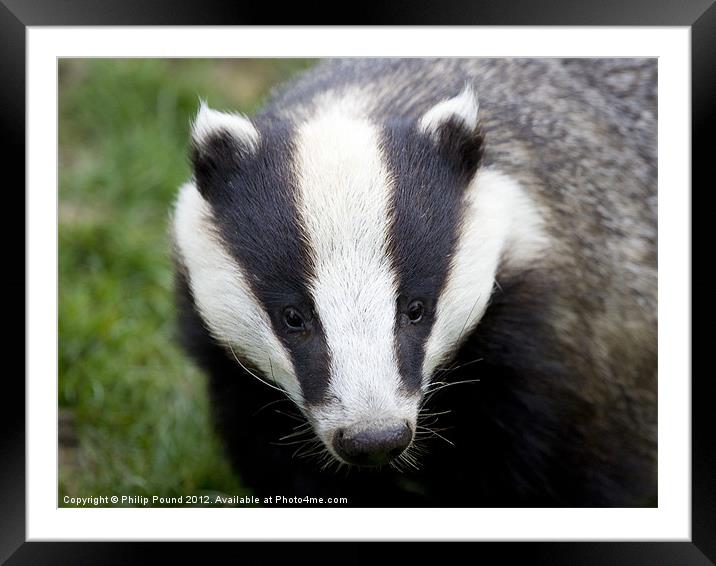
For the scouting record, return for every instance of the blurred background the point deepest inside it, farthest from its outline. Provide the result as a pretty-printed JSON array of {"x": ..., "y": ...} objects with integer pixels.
[{"x": 134, "y": 414}]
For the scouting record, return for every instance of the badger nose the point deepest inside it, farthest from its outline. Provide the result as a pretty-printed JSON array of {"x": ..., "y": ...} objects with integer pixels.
[{"x": 374, "y": 442}]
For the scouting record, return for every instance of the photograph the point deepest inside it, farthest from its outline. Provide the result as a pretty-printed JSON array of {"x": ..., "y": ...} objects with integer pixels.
[
  {"x": 424, "y": 278},
  {"x": 357, "y": 282}
]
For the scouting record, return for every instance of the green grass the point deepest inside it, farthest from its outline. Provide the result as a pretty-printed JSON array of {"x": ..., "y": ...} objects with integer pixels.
[{"x": 140, "y": 406}]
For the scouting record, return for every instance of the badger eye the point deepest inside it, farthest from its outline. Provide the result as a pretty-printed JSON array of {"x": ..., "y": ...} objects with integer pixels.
[
  {"x": 293, "y": 319},
  {"x": 415, "y": 311}
]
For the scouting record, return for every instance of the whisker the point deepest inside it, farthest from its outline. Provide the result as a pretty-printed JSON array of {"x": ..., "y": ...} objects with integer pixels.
[
  {"x": 296, "y": 433},
  {"x": 301, "y": 441},
  {"x": 429, "y": 393},
  {"x": 423, "y": 415},
  {"x": 316, "y": 451},
  {"x": 271, "y": 403},
  {"x": 467, "y": 319},
  {"x": 434, "y": 433},
  {"x": 427, "y": 423},
  {"x": 330, "y": 461},
  {"x": 425, "y": 434},
  {"x": 289, "y": 415},
  {"x": 455, "y": 368},
  {"x": 432, "y": 392},
  {"x": 252, "y": 373},
  {"x": 497, "y": 284},
  {"x": 451, "y": 383},
  {"x": 395, "y": 464},
  {"x": 409, "y": 460}
]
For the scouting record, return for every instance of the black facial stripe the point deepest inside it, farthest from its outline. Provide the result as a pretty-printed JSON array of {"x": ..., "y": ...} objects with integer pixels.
[
  {"x": 426, "y": 214},
  {"x": 252, "y": 195}
]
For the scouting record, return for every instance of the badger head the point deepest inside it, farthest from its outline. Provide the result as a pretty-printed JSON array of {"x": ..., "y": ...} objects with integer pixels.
[{"x": 342, "y": 260}]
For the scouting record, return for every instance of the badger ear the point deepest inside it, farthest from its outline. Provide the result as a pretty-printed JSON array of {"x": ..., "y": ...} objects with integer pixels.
[
  {"x": 453, "y": 125},
  {"x": 219, "y": 141},
  {"x": 210, "y": 123}
]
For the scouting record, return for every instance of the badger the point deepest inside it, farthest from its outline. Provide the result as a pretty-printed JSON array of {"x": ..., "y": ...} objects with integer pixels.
[{"x": 426, "y": 282}]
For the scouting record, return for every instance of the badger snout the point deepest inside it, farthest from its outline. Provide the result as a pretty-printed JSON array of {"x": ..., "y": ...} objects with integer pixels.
[{"x": 373, "y": 443}]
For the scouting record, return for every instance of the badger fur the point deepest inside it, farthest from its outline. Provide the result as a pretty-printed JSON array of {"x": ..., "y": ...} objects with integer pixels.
[{"x": 446, "y": 269}]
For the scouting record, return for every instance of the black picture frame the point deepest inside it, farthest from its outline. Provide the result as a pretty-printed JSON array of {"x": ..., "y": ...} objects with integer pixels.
[{"x": 17, "y": 15}]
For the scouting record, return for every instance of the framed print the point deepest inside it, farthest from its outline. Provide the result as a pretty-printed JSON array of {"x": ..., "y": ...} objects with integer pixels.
[{"x": 361, "y": 283}]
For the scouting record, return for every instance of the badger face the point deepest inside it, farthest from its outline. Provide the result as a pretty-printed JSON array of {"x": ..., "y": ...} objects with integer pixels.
[{"x": 341, "y": 260}]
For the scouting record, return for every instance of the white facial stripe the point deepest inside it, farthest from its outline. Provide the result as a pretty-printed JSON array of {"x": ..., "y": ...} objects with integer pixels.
[
  {"x": 343, "y": 202},
  {"x": 208, "y": 122},
  {"x": 500, "y": 222},
  {"x": 463, "y": 107},
  {"x": 222, "y": 294}
]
